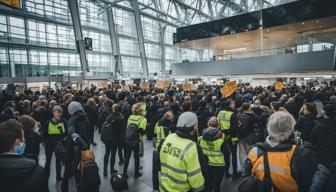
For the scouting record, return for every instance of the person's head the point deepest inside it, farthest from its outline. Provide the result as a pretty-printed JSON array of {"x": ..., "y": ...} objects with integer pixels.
[
  {"x": 137, "y": 109},
  {"x": 291, "y": 100},
  {"x": 187, "y": 122},
  {"x": 117, "y": 108},
  {"x": 43, "y": 103},
  {"x": 166, "y": 104},
  {"x": 101, "y": 99},
  {"x": 156, "y": 98},
  {"x": 107, "y": 104},
  {"x": 74, "y": 107},
  {"x": 309, "y": 108},
  {"x": 175, "y": 106},
  {"x": 26, "y": 103},
  {"x": 257, "y": 103},
  {"x": 122, "y": 96},
  {"x": 275, "y": 106},
  {"x": 29, "y": 123},
  {"x": 11, "y": 137},
  {"x": 213, "y": 122},
  {"x": 329, "y": 111},
  {"x": 280, "y": 126},
  {"x": 246, "y": 107},
  {"x": 186, "y": 106},
  {"x": 232, "y": 104},
  {"x": 213, "y": 98},
  {"x": 91, "y": 101},
  {"x": 52, "y": 104},
  {"x": 68, "y": 97},
  {"x": 168, "y": 116},
  {"x": 203, "y": 103},
  {"x": 57, "y": 112},
  {"x": 34, "y": 105}
]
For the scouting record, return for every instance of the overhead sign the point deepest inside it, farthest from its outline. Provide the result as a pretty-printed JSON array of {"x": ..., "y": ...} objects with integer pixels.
[
  {"x": 279, "y": 85},
  {"x": 229, "y": 88},
  {"x": 88, "y": 43},
  {"x": 12, "y": 3}
]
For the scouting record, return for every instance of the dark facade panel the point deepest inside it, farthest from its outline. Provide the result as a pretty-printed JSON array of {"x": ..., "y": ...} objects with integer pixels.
[
  {"x": 274, "y": 16},
  {"x": 288, "y": 63}
]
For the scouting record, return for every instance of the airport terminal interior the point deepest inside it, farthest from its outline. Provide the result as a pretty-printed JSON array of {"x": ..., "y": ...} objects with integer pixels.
[{"x": 222, "y": 95}]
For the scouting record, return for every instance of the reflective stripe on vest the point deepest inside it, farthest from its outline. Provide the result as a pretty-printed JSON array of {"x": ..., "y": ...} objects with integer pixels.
[
  {"x": 234, "y": 139},
  {"x": 280, "y": 168},
  {"x": 212, "y": 149},
  {"x": 135, "y": 119},
  {"x": 160, "y": 135},
  {"x": 180, "y": 170},
  {"x": 56, "y": 129},
  {"x": 224, "y": 118}
]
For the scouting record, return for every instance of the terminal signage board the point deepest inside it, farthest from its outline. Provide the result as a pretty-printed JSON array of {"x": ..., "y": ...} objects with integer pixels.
[{"x": 12, "y": 3}]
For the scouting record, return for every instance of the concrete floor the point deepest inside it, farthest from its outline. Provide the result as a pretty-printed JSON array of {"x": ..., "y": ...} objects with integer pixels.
[{"x": 142, "y": 184}]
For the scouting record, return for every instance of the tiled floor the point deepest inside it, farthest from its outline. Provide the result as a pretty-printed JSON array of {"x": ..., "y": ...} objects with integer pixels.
[{"x": 142, "y": 184}]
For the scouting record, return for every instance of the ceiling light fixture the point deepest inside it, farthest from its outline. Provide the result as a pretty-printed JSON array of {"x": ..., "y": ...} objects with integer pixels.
[
  {"x": 317, "y": 21},
  {"x": 303, "y": 23}
]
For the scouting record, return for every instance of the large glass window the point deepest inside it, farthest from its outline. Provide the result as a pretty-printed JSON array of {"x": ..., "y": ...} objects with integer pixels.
[
  {"x": 125, "y": 22},
  {"x": 52, "y": 35},
  {"x": 4, "y": 64},
  {"x": 17, "y": 30},
  {"x": 18, "y": 58},
  {"x": 37, "y": 32},
  {"x": 129, "y": 47},
  {"x": 151, "y": 29},
  {"x": 38, "y": 63},
  {"x": 153, "y": 51},
  {"x": 91, "y": 15},
  {"x": 65, "y": 37},
  {"x": 3, "y": 29},
  {"x": 132, "y": 66}
]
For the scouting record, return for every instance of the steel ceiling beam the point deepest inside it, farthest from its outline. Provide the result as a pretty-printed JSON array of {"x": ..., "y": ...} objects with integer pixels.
[{"x": 182, "y": 4}]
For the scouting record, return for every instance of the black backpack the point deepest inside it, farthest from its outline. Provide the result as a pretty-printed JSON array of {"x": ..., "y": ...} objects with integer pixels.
[
  {"x": 119, "y": 182},
  {"x": 108, "y": 131},
  {"x": 132, "y": 135}
]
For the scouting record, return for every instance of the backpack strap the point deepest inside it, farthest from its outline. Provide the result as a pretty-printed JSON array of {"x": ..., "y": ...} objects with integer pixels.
[
  {"x": 268, "y": 183},
  {"x": 267, "y": 179}
]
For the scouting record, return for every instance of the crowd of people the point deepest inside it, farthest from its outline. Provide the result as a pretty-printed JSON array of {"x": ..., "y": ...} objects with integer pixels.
[{"x": 283, "y": 140}]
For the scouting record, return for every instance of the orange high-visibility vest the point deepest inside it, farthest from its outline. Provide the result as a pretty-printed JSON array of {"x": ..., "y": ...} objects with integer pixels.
[{"x": 280, "y": 168}]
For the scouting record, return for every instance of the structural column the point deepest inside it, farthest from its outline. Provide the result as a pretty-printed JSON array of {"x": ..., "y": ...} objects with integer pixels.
[
  {"x": 334, "y": 60},
  {"x": 73, "y": 7},
  {"x": 114, "y": 41},
  {"x": 135, "y": 5},
  {"x": 163, "y": 50}
]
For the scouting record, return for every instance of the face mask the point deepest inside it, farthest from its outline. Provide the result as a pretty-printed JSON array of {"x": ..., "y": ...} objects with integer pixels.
[{"x": 21, "y": 148}]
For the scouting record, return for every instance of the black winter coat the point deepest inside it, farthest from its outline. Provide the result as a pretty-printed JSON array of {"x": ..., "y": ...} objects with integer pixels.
[
  {"x": 323, "y": 139},
  {"x": 20, "y": 174},
  {"x": 305, "y": 125},
  {"x": 33, "y": 141},
  {"x": 120, "y": 129},
  {"x": 92, "y": 113}
]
